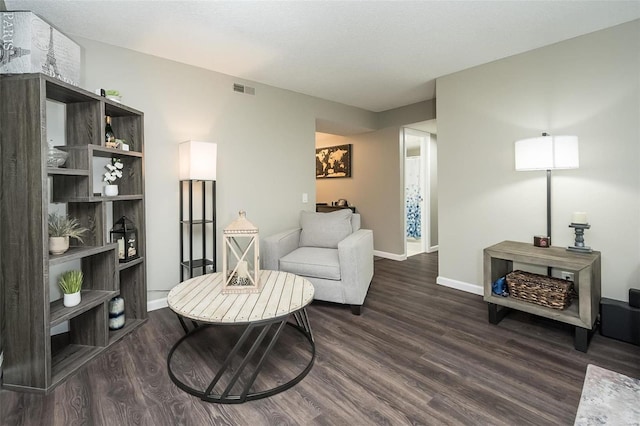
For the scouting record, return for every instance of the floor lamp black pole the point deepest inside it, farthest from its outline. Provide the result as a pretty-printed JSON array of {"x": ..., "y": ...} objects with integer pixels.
[
  {"x": 549, "y": 214},
  {"x": 549, "y": 205},
  {"x": 213, "y": 218}
]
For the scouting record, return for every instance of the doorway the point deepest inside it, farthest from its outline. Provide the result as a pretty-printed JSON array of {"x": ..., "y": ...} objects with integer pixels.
[{"x": 420, "y": 191}]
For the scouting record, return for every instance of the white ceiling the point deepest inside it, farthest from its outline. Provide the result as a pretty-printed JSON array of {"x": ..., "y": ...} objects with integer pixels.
[{"x": 376, "y": 55}]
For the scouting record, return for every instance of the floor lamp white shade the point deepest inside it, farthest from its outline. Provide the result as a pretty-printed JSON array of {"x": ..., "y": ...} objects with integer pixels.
[
  {"x": 198, "y": 160},
  {"x": 547, "y": 153}
]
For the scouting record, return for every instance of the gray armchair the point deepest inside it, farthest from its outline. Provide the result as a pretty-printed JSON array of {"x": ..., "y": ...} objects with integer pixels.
[{"x": 331, "y": 251}]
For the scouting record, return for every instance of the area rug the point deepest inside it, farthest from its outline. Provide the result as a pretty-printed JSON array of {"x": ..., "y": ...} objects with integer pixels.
[{"x": 608, "y": 398}]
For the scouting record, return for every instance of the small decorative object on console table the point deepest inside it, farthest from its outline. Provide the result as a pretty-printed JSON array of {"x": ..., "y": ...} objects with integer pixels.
[
  {"x": 241, "y": 257},
  {"x": 541, "y": 241},
  {"x": 579, "y": 224},
  {"x": 125, "y": 234}
]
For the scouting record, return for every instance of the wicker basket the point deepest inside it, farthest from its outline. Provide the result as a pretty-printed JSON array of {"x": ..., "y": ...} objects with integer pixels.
[{"x": 539, "y": 289}]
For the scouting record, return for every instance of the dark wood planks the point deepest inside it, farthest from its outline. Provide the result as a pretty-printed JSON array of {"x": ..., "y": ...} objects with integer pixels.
[{"x": 419, "y": 354}]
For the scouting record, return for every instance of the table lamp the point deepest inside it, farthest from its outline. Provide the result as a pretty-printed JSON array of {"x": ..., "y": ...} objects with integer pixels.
[{"x": 547, "y": 153}]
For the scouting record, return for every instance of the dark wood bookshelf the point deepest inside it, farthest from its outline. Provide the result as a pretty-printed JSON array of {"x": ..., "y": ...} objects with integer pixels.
[{"x": 34, "y": 360}]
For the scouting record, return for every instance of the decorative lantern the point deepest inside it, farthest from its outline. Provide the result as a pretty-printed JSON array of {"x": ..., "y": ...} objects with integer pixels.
[
  {"x": 241, "y": 257},
  {"x": 125, "y": 234}
]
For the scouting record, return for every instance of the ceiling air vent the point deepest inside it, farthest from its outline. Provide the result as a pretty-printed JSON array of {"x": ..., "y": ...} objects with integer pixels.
[{"x": 241, "y": 88}]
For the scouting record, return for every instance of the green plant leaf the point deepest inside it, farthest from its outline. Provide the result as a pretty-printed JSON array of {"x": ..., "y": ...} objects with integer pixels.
[{"x": 71, "y": 281}]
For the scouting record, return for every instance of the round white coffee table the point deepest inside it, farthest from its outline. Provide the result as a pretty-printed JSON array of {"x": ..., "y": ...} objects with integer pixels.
[{"x": 282, "y": 295}]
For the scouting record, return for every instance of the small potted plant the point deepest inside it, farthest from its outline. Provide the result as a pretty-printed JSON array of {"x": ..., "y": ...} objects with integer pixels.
[
  {"x": 113, "y": 95},
  {"x": 113, "y": 173},
  {"x": 70, "y": 283},
  {"x": 61, "y": 227}
]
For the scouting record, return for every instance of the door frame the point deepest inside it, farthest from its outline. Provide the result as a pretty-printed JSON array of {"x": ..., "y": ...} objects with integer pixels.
[{"x": 425, "y": 138}]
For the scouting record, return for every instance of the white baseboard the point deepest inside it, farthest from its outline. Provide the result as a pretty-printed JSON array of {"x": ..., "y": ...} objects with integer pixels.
[
  {"x": 432, "y": 249},
  {"x": 391, "y": 256},
  {"x": 156, "y": 304},
  {"x": 460, "y": 285}
]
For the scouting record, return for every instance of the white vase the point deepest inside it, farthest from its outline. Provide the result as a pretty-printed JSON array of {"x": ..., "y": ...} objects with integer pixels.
[
  {"x": 71, "y": 299},
  {"x": 111, "y": 190},
  {"x": 58, "y": 245},
  {"x": 116, "y": 313}
]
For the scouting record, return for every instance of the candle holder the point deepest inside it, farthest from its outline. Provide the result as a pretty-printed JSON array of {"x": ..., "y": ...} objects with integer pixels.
[{"x": 578, "y": 245}]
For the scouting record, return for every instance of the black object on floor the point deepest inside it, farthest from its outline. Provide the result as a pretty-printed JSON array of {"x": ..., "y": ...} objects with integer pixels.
[
  {"x": 634, "y": 297},
  {"x": 620, "y": 320}
]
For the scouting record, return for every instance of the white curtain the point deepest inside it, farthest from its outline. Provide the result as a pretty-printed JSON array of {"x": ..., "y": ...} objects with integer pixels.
[{"x": 413, "y": 197}]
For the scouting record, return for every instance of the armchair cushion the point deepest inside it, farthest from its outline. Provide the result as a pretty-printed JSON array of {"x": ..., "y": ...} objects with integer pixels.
[
  {"x": 325, "y": 229},
  {"x": 277, "y": 246},
  {"x": 314, "y": 262}
]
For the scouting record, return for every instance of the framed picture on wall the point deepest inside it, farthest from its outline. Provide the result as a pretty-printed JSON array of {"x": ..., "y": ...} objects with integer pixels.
[{"x": 333, "y": 162}]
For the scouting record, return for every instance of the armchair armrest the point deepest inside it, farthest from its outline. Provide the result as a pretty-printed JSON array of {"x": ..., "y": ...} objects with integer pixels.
[
  {"x": 279, "y": 245},
  {"x": 356, "y": 264}
]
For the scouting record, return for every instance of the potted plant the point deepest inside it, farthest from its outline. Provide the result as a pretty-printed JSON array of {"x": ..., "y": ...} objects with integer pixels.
[
  {"x": 113, "y": 173},
  {"x": 61, "y": 227},
  {"x": 70, "y": 283},
  {"x": 113, "y": 95}
]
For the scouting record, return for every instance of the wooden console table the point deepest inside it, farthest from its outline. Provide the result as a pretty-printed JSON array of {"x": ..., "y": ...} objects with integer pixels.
[{"x": 582, "y": 314}]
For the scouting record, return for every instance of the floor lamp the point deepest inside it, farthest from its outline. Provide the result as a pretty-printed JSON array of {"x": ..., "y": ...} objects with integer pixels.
[
  {"x": 197, "y": 165},
  {"x": 547, "y": 153}
]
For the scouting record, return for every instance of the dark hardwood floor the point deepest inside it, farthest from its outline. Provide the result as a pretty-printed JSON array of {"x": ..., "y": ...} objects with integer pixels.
[{"x": 419, "y": 354}]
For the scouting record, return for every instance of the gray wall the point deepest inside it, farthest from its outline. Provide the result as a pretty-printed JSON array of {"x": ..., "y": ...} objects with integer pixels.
[
  {"x": 420, "y": 111},
  {"x": 587, "y": 86},
  {"x": 375, "y": 187},
  {"x": 266, "y": 144}
]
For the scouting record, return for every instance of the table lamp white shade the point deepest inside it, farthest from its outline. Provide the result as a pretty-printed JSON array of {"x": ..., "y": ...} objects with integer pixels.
[
  {"x": 198, "y": 160},
  {"x": 547, "y": 153}
]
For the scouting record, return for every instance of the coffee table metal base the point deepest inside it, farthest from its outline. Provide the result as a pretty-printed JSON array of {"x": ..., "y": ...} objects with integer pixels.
[{"x": 226, "y": 397}]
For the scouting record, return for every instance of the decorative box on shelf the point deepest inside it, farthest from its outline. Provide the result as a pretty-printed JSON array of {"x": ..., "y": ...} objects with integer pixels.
[{"x": 31, "y": 45}]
